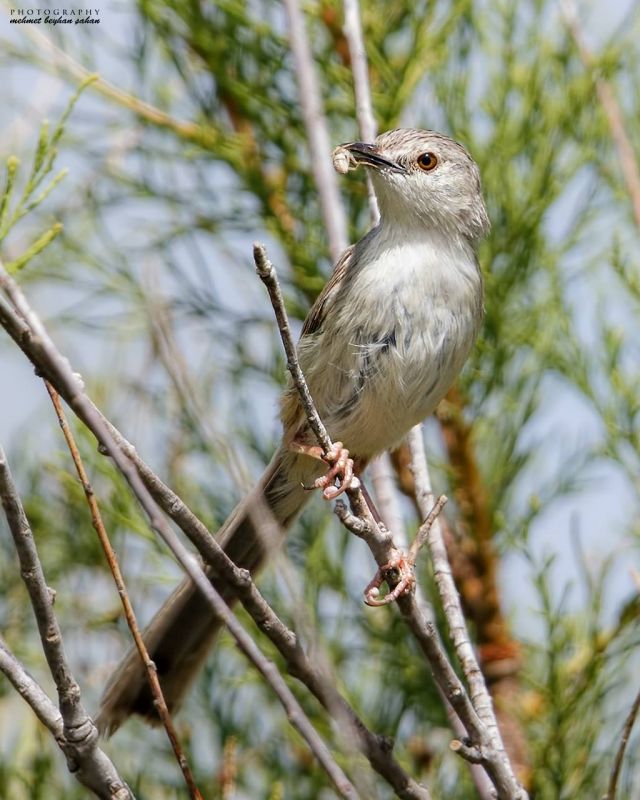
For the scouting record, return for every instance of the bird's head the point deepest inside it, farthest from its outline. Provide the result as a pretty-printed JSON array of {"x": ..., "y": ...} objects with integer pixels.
[{"x": 423, "y": 178}]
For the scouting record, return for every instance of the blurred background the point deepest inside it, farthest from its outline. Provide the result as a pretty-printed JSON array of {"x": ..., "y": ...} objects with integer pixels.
[{"x": 189, "y": 147}]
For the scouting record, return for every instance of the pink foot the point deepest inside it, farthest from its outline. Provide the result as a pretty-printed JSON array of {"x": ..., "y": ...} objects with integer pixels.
[
  {"x": 404, "y": 585},
  {"x": 340, "y": 470}
]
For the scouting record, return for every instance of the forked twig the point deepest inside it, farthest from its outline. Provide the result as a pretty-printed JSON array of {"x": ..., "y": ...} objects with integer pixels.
[
  {"x": 79, "y": 741},
  {"x": 406, "y": 565}
]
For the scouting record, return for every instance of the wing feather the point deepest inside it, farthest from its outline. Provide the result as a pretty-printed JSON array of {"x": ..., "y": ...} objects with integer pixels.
[{"x": 319, "y": 309}]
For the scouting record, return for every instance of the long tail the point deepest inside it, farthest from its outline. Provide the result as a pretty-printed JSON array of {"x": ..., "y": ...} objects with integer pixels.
[{"x": 181, "y": 633}]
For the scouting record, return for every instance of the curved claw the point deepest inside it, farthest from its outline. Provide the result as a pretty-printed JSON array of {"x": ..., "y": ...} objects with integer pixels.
[
  {"x": 404, "y": 586},
  {"x": 341, "y": 471}
]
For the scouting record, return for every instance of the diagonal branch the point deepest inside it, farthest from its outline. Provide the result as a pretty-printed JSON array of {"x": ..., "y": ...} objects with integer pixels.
[
  {"x": 75, "y": 733},
  {"x": 31, "y": 692},
  {"x": 377, "y": 748},
  {"x": 114, "y": 566}
]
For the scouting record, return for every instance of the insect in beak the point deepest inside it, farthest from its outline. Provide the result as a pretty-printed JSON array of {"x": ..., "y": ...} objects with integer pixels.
[{"x": 369, "y": 155}]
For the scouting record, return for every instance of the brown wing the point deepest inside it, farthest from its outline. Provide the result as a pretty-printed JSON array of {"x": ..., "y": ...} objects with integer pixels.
[{"x": 316, "y": 315}]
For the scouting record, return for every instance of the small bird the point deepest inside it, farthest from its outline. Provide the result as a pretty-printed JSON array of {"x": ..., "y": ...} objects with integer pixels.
[{"x": 380, "y": 347}]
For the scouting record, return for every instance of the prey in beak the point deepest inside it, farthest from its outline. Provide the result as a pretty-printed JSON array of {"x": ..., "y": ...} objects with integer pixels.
[{"x": 349, "y": 156}]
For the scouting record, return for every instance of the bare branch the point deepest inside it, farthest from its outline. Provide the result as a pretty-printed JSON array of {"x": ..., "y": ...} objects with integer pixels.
[
  {"x": 114, "y": 566},
  {"x": 624, "y": 741},
  {"x": 316, "y": 128},
  {"x": 51, "y": 364},
  {"x": 381, "y": 475},
  {"x": 76, "y": 734},
  {"x": 31, "y": 692},
  {"x": 451, "y": 605}
]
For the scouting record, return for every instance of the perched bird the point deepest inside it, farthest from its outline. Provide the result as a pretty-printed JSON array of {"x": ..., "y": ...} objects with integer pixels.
[{"x": 383, "y": 342}]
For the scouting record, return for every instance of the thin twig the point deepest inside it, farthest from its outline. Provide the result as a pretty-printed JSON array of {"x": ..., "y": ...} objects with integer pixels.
[
  {"x": 625, "y": 735},
  {"x": 425, "y": 529},
  {"x": 361, "y": 89},
  {"x": 114, "y": 566},
  {"x": 315, "y": 123},
  {"x": 86, "y": 761},
  {"x": 612, "y": 111},
  {"x": 52, "y": 365},
  {"x": 268, "y": 276}
]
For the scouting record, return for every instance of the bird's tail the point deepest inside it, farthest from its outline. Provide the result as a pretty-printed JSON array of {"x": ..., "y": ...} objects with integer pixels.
[{"x": 181, "y": 633}]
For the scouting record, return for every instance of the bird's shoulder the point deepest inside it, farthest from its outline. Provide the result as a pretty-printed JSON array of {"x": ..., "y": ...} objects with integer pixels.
[{"x": 318, "y": 310}]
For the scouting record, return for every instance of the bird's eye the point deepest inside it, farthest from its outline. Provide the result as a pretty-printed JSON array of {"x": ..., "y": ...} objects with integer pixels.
[{"x": 427, "y": 161}]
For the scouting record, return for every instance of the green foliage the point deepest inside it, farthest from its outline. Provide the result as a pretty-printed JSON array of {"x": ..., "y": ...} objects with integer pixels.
[
  {"x": 36, "y": 188},
  {"x": 581, "y": 663}
]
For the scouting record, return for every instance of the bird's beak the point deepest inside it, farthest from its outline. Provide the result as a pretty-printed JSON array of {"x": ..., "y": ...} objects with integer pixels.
[{"x": 369, "y": 155}]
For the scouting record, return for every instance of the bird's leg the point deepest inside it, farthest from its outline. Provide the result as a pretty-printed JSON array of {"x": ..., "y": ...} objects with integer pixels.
[{"x": 341, "y": 468}]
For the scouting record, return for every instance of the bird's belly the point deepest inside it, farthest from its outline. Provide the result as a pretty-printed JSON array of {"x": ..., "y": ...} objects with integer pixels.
[{"x": 386, "y": 381}]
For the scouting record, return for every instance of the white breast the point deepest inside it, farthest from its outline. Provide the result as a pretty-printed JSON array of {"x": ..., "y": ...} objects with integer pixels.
[{"x": 394, "y": 339}]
